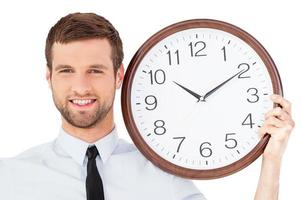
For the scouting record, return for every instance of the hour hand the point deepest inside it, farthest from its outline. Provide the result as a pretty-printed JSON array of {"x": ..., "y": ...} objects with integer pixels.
[{"x": 199, "y": 97}]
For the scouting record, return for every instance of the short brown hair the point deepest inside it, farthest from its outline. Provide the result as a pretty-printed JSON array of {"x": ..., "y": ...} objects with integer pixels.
[{"x": 80, "y": 26}]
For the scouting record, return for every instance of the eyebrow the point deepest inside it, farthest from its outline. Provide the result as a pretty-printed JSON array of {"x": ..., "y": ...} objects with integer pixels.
[
  {"x": 58, "y": 67},
  {"x": 93, "y": 66},
  {"x": 98, "y": 66}
]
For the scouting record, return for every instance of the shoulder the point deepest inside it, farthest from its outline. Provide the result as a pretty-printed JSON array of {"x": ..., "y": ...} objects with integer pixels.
[
  {"x": 129, "y": 154},
  {"x": 20, "y": 166},
  {"x": 124, "y": 146},
  {"x": 33, "y": 154},
  {"x": 135, "y": 164}
]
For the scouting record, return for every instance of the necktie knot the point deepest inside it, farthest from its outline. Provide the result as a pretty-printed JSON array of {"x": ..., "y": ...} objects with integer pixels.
[{"x": 92, "y": 152}]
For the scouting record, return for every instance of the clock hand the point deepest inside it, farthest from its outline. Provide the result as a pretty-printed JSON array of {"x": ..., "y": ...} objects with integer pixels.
[
  {"x": 199, "y": 97},
  {"x": 220, "y": 85}
]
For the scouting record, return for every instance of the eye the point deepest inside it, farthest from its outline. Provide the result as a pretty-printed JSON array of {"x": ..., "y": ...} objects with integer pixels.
[
  {"x": 95, "y": 71},
  {"x": 66, "y": 71}
]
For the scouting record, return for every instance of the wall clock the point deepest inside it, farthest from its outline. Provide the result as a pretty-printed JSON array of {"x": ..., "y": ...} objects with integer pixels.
[{"x": 194, "y": 97}]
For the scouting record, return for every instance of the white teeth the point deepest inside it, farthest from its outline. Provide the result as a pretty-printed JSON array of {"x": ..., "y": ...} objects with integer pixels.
[{"x": 82, "y": 102}]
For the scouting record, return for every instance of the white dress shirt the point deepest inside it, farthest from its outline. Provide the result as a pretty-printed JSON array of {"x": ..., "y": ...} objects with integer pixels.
[{"x": 58, "y": 170}]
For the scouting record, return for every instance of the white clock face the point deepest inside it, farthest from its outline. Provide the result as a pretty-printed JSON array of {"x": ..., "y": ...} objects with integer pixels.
[{"x": 199, "y": 97}]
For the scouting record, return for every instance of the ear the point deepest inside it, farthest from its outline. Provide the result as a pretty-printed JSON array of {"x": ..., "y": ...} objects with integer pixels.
[
  {"x": 119, "y": 76},
  {"x": 48, "y": 76}
]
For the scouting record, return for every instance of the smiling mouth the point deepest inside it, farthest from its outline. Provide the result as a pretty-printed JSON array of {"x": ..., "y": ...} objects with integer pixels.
[{"x": 82, "y": 102}]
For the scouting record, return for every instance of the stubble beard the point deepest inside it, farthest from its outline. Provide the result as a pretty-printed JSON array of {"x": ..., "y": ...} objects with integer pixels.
[{"x": 83, "y": 119}]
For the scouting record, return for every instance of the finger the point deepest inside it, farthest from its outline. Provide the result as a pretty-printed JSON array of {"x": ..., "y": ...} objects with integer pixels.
[
  {"x": 276, "y": 132},
  {"x": 267, "y": 129},
  {"x": 278, "y": 112},
  {"x": 274, "y": 122},
  {"x": 285, "y": 104}
]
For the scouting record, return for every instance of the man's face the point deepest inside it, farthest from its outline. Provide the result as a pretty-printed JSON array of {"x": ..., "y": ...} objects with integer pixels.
[{"x": 83, "y": 82}]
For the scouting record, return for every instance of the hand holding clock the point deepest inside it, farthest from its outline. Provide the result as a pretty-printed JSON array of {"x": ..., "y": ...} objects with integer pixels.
[{"x": 279, "y": 124}]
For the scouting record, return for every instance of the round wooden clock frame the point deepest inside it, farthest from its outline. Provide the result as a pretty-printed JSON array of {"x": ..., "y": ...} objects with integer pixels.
[{"x": 126, "y": 99}]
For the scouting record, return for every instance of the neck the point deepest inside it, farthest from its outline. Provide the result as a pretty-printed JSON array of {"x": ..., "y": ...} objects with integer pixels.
[{"x": 92, "y": 134}]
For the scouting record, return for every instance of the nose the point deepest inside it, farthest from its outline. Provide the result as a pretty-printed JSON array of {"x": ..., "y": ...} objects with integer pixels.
[{"x": 81, "y": 85}]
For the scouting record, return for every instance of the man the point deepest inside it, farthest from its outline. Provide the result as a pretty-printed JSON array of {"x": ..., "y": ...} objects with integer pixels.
[{"x": 87, "y": 161}]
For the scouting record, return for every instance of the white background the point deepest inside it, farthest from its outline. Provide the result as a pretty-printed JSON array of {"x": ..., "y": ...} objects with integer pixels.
[{"x": 28, "y": 116}]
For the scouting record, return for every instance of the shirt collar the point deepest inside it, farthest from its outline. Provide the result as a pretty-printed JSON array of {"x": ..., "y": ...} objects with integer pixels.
[{"x": 77, "y": 148}]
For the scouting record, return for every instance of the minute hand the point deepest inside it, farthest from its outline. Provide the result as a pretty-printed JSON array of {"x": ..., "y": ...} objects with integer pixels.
[{"x": 220, "y": 85}]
